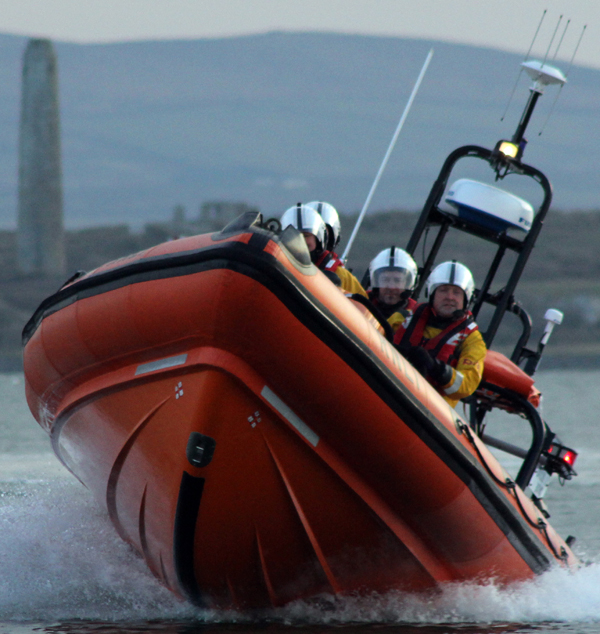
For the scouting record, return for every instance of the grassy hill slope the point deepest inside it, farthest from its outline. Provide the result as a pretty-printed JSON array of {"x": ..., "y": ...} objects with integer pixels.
[{"x": 272, "y": 119}]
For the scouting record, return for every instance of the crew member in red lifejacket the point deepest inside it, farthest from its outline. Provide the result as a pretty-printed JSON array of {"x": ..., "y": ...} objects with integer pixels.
[
  {"x": 331, "y": 218},
  {"x": 392, "y": 276},
  {"x": 310, "y": 223},
  {"x": 441, "y": 338}
]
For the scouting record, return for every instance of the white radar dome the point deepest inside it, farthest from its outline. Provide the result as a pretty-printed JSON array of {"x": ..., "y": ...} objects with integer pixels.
[{"x": 489, "y": 206}]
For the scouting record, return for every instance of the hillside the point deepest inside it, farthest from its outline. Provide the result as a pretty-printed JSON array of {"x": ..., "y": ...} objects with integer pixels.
[
  {"x": 272, "y": 119},
  {"x": 276, "y": 118}
]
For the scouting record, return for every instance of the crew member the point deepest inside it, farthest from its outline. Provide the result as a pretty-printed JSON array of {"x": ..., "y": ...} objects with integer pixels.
[
  {"x": 441, "y": 339},
  {"x": 392, "y": 276},
  {"x": 332, "y": 222},
  {"x": 313, "y": 228},
  {"x": 334, "y": 233}
]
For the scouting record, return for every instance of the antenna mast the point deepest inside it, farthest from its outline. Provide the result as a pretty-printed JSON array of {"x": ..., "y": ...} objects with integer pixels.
[
  {"x": 387, "y": 155},
  {"x": 508, "y": 153}
]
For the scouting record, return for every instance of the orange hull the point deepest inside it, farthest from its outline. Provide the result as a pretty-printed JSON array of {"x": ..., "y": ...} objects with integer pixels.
[{"x": 257, "y": 440}]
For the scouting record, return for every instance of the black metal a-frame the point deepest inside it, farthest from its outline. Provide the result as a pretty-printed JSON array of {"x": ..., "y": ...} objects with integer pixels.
[
  {"x": 504, "y": 159},
  {"x": 434, "y": 217},
  {"x": 503, "y": 301}
]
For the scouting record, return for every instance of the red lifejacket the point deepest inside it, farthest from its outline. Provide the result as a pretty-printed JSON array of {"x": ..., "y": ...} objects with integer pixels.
[
  {"x": 411, "y": 304},
  {"x": 328, "y": 261},
  {"x": 446, "y": 345}
]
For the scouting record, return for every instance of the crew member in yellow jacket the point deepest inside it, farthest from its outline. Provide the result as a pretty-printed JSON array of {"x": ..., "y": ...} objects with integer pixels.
[
  {"x": 312, "y": 226},
  {"x": 391, "y": 278},
  {"x": 441, "y": 339}
]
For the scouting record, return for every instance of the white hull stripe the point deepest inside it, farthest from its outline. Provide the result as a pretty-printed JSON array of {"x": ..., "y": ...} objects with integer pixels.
[
  {"x": 161, "y": 364},
  {"x": 287, "y": 413}
]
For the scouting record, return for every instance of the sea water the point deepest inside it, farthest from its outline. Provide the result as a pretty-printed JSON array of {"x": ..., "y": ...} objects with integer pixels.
[{"x": 63, "y": 568}]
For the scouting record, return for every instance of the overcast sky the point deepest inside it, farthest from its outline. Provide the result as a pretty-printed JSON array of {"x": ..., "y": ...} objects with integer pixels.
[{"x": 505, "y": 24}]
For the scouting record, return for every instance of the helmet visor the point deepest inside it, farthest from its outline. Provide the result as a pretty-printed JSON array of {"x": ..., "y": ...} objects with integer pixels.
[{"x": 392, "y": 277}]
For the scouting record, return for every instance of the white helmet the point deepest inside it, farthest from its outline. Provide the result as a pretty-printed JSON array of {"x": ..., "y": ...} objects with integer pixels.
[
  {"x": 453, "y": 273},
  {"x": 306, "y": 220},
  {"x": 392, "y": 260},
  {"x": 332, "y": 220}
]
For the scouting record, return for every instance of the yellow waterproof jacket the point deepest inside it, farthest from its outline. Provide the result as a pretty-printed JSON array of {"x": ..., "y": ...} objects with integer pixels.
[
  {"x": 329, "y": 261},
  {"x": 467, "y": 374},
  {"x": 350, "y": 283},
  {"x": 467, "y": 371},
  {"x": 395, "y": 320}
]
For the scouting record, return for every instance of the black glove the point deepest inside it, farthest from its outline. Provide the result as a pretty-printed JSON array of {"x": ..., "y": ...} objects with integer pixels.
[
  {"x": 420, "y": 359},
  {"x": 426, "y": 365},
  {"x": 333, "y": 277},
  {"x": 441, "y": 372}
]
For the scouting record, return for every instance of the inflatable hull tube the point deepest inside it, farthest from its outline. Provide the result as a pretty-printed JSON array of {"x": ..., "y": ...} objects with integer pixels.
[{"x": 258, "y": 441}]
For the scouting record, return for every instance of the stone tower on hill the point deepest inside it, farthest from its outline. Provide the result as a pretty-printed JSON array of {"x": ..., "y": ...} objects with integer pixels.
[{"x": 40, "y": 241}]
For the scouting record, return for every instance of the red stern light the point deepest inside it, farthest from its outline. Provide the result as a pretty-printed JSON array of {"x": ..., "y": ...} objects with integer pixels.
[
  {"x": 560, "y": 460},
  {"x": 569, "y": 457}
]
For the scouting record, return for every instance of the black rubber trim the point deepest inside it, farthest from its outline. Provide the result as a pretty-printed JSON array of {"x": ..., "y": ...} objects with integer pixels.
[
  {"x": 159, "y": 267},
  {"x": 259, "y": 240},
  {"x": 266, "y": 270},
  {"x": 184, "y": 535},
  {"x": 152, "y": 268}
]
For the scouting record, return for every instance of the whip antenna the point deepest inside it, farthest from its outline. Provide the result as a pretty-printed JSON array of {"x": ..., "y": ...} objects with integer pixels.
[
  {"x": 576, "y": 49},
  {"x": 387, "y": 155},
  {"x": 552, "y": 39},
  {"x": 566, "y": 75},
  {"x": 561, "y": 39},
  {"x": 526, "y": 58}
]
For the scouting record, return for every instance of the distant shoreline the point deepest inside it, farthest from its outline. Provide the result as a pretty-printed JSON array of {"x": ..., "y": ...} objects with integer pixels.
[{"x": 553, "y": 278}]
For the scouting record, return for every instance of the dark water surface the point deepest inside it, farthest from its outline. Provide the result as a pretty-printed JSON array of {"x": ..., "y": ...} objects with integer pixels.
[{"x": 63, "y": 568}]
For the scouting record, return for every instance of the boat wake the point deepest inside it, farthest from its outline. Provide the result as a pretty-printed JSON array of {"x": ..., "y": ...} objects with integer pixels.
[
  {"x": 62, "y": 560},
  {"x": 556, "y": 596}
]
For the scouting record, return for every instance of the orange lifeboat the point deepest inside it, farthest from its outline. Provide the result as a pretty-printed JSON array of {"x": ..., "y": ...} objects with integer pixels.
[{"x": 257, "y": 440}]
